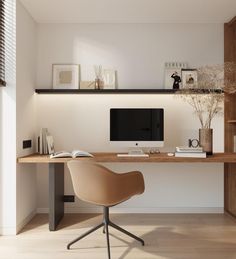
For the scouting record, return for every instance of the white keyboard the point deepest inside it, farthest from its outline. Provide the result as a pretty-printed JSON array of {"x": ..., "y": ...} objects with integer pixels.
[{"x": 133, "y": 155}]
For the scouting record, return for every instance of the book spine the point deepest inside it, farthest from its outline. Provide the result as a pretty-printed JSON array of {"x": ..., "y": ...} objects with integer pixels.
[
  {"x": 46, "y": 141},
  {"x": 38, "y": 144},
  {"x": 194, "y": 154},
  {"x": 178, "y": 149},
  {"x": 45, "y": 146},
  {"x": 188, "y": 151},
  {"x": 41, "y": 142}
]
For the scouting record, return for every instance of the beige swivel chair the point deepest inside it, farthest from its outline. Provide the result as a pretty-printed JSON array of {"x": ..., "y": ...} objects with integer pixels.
[{"x": 98, "y": 185}]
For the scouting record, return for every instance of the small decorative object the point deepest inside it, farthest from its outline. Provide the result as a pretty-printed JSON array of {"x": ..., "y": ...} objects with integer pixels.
[
  {"x": 65, "y": 76},
  {"x": 206, "y": 97},
  {"x": 89, "y": 85},
  {"x": 109, "y": 77},
  {"x": 189, "y": 78},
  {"x": 193, "y": 143},
  {"x": 99, "y": 83},
  {"x": 173, "y": 74}
]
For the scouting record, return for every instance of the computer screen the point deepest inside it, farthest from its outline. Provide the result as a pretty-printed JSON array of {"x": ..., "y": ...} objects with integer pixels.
[{"x": 137, "y": 126}]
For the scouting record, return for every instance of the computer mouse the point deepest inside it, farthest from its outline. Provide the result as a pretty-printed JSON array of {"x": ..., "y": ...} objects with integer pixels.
[{"x": 170, "y": 154}]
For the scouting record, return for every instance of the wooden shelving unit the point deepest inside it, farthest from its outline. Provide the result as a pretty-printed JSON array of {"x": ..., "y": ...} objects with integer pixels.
[{"x": 230, "y": 124}]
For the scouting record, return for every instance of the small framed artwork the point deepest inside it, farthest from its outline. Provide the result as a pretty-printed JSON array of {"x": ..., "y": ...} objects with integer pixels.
[
  {"x": 189, "y": 78},
  {"x": 109, "y": 78},
  {"x": 88, "y": 85},
  {"x": 173, "y": 74},
  {"x": 173, "y": 78},
  {"x": 65, "y": 76}
]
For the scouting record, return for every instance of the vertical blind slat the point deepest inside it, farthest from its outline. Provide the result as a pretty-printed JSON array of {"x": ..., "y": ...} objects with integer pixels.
[{"x": 2, "y": 43}]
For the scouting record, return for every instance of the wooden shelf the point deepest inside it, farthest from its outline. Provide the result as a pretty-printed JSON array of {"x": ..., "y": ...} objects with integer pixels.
[
  {"x": 105, "y": 91},
  {"x": 231, "y": 121}
]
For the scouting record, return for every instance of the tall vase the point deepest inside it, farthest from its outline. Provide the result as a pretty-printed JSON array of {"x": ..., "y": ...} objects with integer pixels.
[{"x": 206, "y": 140}]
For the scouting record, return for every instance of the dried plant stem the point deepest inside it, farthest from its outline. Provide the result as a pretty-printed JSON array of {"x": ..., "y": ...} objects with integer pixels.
[{"x": 206, "y": 96}]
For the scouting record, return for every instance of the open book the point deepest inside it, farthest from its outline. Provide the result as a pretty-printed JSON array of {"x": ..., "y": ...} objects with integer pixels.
[{"x": 73, "y": 154}]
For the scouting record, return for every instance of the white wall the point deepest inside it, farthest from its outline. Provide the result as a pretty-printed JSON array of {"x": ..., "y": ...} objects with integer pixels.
[
  {"x": 25, "y": 113},
  {"x": 138, "y": 53}
]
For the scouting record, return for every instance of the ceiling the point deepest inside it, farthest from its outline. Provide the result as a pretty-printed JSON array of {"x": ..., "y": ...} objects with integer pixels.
[{"x": 131, "y": 11}]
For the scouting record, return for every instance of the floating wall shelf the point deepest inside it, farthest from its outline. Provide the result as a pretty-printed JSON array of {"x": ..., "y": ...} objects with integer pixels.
[
  {"x": 105, "y": 91},
  {"x": 109, "y": 91}
]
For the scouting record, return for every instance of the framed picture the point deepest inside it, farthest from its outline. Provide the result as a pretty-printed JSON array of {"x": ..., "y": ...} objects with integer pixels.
[
  {"x": 109, "y": 78},
  {"x": 88, "y": 85},
  {"x": 189, "y": 78},
  {"x": 65, "y": 76},
  {"x": 173, "y": 78},
  {"x": 173, "y": 74}
]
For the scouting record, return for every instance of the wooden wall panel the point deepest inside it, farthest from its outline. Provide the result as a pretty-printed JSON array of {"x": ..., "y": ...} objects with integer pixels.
[{"x": 230, "y": 114}]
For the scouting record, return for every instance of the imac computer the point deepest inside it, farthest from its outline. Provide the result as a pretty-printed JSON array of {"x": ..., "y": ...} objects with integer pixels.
[{"x": 136, "y": 128}]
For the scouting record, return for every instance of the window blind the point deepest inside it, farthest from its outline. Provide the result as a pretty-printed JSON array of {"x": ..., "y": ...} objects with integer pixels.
[{"x": 2, "y": 43}]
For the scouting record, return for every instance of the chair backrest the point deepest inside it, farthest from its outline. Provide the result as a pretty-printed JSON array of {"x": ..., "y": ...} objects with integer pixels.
[
  {"x": 92, "y": 182},
  {"x": 97, "y": 184}
]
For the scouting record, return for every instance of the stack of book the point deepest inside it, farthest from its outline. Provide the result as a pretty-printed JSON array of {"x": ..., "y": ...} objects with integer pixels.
[
  {"x": 45, "y": 142},
  {"x": 190, "y": 152}
]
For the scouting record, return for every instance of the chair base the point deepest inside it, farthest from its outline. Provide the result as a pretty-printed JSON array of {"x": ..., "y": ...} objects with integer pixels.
[{"x": 106, "y": 222}]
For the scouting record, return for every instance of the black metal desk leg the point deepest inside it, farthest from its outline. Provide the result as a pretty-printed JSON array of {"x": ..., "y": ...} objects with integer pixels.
[{"x": 56, "y": 193}]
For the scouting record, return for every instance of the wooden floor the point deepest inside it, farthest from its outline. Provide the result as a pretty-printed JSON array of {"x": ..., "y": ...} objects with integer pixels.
[{"x": 167, "y": 236}]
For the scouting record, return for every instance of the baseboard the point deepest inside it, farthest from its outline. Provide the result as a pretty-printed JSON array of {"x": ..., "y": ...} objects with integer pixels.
[
  {"x": 217, "y": 210},
  {"x": 42, "y": 210},
  {"x": 12, "y": 231},
  {"x": 25, "y": 221},
  {"x": 8, "y": 231}
]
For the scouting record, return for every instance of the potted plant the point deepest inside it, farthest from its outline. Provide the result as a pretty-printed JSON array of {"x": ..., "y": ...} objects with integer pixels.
[{"x": 206, "y": 97}]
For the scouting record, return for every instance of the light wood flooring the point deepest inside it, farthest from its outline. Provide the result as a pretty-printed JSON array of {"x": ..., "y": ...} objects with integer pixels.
[{"x": 170, "y": 236}]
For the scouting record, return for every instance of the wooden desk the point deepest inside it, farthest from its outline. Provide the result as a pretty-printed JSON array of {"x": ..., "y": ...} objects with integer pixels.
[
  {"x": 56, "y": 172},
  {"x": 153, "y": 158}
]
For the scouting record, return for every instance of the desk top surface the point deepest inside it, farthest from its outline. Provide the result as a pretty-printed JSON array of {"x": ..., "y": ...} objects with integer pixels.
[{"x": 112, "y": 157}]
